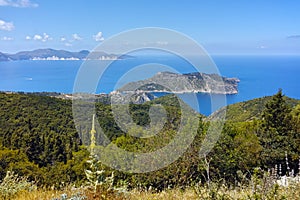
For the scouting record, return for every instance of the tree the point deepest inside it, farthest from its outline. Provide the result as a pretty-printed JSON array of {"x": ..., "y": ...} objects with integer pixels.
[
  {"x": 276, "y": 131},
  {"x": 276, "y": 115},
  {"x": 236, "y": 150}
]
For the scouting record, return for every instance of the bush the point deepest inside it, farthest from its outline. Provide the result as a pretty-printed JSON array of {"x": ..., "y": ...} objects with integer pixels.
[{"x": 12, "y": 184}]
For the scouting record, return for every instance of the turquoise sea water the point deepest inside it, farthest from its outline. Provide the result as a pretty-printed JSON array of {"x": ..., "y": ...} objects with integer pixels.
[{"x": 259, "y": 75}]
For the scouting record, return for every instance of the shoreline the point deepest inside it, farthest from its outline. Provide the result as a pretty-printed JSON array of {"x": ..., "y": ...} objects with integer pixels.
[{"x": 54, "y": 94}]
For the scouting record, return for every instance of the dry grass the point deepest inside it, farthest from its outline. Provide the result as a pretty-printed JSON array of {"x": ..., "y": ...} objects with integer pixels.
[
  {"x": 175, "y": 194},
  {"x": 46, "y": 194},
  {"x": 292, "y": 192},
  {"x": 38, "y": 195}
]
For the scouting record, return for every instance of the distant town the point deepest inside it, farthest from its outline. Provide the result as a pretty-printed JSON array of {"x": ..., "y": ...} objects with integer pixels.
[
  {"x": 74, "y": 58},
  {"x": 52, "y": 54}
]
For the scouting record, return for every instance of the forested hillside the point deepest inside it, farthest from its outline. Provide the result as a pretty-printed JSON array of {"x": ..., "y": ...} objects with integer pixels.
[
  {"x": 252, "y": 109},
  {"x": 38, "y": 139}
]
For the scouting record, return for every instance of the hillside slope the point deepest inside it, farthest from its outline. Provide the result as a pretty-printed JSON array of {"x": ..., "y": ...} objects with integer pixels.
[{"x": 249, "y": 110}]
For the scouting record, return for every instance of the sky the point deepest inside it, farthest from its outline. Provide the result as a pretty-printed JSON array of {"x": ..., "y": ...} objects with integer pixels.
[{"x": 220, "y": 26}]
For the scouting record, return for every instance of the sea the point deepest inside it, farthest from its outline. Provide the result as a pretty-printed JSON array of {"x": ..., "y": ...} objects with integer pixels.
[{"x": 259, "y": 76}]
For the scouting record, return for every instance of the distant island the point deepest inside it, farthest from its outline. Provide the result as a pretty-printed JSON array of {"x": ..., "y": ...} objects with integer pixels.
[
  {"x": 52, "y": 54},
  {"x": 184, "y": 83}
]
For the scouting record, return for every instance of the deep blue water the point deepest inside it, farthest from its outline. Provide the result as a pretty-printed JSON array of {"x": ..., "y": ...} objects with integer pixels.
[{"x": 259, "y": 75}]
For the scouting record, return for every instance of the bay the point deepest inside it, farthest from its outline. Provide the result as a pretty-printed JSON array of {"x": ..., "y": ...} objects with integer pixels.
[{"x": 259, "y": 76}]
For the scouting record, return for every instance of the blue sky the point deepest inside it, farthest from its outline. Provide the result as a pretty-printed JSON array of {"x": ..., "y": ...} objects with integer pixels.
[{"x": 221, "y": 26}]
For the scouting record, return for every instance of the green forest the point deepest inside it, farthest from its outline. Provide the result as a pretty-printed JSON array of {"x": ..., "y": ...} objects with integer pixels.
[{"x": 39, "y": 140}]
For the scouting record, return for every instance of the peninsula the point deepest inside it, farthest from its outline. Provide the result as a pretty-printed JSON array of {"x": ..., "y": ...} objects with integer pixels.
[{"x": 184, "y": 83}]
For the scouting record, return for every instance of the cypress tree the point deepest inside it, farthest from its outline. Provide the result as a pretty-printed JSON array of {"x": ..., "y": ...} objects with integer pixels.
[{"x": 276, "y": 130}]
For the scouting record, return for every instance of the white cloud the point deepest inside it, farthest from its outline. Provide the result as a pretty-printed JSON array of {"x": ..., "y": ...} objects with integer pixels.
[
  {"x": 7, "y": 38},
  {"x": 76, "y": 36},
  {"x": 28, "y": 37},
  {"x": 62, "y": 39},
  {"x": 262, "y": 47},
  {"x": 44, "y": 38},
  {"x": 18, "y": 3},
  {"x": 98, "y": 37},
  {"x": 68, "y": 44},
  {"x": 6, "y": 26},
  {"x": 162, "y": 43},
  {"x": 37, "y": 37}
]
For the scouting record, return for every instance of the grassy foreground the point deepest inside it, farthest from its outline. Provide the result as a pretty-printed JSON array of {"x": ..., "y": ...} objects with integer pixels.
[{"x": 291, "y": 192}]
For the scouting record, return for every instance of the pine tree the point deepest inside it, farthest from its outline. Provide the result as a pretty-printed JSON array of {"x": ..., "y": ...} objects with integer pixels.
[
  {"x": 276, "y": 130},
  {"x": 276, "y": 115}
]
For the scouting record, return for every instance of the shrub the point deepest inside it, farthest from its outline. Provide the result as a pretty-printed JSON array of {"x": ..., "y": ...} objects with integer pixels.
[{"x": 12, "y": 184}]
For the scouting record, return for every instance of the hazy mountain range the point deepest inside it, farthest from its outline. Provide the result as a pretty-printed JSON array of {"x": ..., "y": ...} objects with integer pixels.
[{"x": 52, "y": 54}]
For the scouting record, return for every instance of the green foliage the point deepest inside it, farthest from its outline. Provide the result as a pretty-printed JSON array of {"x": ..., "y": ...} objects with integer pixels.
[
  {"x": 12, "y": 184},
  {"x": 101, "y": 181},
  {"x": 264, "y": 186},
  {"x": 237, "y": 149},
  {"x": 14, "y": 160},
  {"x": 140, "y": 114},
  {"x": 277, "y": 134},
  {"x": 252, "y": 109},
  {"x": 296, "y": 118},
  {"x": 296, "y": 130},
  {"x": 276, "y": 115},
  {"x": 60, "y": 174},
  {"x": 212, "y": 191},
  {"x": 38, "y": 139},
  {"x": 41, "y": 127}
]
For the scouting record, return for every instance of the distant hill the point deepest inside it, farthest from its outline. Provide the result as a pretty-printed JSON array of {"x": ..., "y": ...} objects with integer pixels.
[
  {"x": 249, "y": 110},
  {"x": 52, "y": 54},
  {"x": 184, "y": 83},
  {"x": 3, "y": 57}
]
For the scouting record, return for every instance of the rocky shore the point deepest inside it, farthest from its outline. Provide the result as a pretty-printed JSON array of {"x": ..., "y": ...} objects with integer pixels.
[{"x": 184, "y": 83}]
